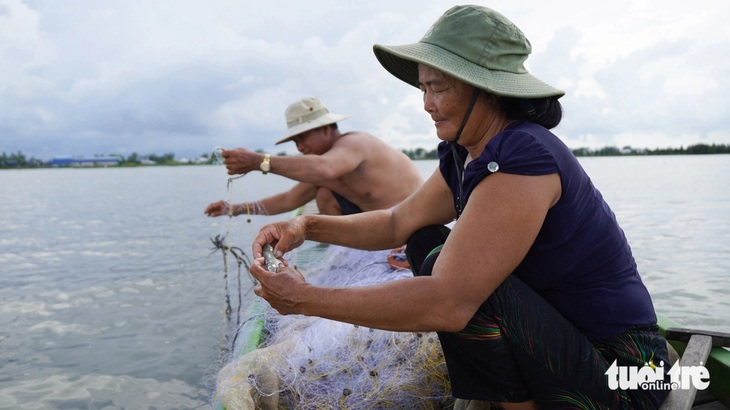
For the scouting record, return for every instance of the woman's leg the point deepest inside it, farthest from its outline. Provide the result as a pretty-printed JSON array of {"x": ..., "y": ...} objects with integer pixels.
[{"x": 518, "y": 348}]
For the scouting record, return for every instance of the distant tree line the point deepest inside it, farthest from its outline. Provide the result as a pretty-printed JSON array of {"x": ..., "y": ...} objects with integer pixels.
[
  {"x": 19, "y": 160},
  {"x": 627, "y": 150},
  {"x": 420, "y": 153}
]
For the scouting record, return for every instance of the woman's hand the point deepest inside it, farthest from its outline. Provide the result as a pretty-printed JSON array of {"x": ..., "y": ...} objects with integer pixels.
[
  {"x": 283, "y": 236},
  {"x": 279, "y": 288}
]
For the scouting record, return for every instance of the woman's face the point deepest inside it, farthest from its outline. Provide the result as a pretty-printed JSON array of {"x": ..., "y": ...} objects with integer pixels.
[{"x": 445, "y": 98}]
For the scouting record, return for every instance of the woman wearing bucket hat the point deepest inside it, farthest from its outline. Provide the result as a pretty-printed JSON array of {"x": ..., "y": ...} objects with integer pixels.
[
  {"x": 535, "y": 292},
  {"x": 346, "y": 173}
]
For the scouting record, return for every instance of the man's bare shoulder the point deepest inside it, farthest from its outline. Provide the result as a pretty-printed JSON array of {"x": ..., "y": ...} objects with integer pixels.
[
  {"x": 355, "y": 135},
  {"x": 358, "y": 138}
]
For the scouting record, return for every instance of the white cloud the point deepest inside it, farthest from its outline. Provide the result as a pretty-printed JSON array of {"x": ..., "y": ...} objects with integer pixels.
[{"x": 88, "y": 77}]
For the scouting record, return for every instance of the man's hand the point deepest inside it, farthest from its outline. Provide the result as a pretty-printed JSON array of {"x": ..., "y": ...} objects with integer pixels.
[
  {"x": 241, "y": 160},
  {"x": 217, "y": 209}
]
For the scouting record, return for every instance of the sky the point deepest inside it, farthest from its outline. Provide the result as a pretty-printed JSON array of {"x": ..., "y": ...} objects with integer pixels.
[{"x": 99, "y": 77}]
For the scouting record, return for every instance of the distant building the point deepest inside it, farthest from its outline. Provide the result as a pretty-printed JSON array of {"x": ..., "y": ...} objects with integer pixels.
[{"x": 68, "y": 161}]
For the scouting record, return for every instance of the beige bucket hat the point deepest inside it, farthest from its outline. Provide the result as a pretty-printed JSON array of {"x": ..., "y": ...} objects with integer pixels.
[
  {"x": 307, "y": 114},
  {"x": 476, "y": 45}
]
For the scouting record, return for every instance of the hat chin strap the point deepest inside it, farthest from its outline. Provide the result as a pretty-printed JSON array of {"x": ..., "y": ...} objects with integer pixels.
[
  {"x": 457, "y": 161},
  {"x": 474, "y": 97}
]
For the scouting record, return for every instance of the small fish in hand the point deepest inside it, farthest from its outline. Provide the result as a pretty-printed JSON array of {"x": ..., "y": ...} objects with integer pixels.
[{"x": 272, "y": 262}]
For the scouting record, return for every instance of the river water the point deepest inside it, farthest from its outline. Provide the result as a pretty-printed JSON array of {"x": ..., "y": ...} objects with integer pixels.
[{"x": 111, "y": 295}]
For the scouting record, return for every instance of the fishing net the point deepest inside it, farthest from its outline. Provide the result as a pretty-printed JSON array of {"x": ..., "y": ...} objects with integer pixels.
[{"x": 314, "y": 363}]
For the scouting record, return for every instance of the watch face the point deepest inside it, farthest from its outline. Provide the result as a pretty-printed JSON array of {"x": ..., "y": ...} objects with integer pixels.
[{"x": 265, "y": 166}]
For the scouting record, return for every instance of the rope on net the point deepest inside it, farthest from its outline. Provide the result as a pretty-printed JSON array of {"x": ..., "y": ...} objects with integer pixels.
[{"x": 243, "y": 261}]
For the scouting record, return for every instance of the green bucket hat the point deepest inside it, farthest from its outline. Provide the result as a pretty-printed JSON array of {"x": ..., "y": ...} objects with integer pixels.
[{"x": 476, "y": 45}]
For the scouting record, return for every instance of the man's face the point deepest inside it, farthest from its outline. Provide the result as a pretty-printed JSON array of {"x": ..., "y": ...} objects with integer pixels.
[{"x": 313, "y": 142}]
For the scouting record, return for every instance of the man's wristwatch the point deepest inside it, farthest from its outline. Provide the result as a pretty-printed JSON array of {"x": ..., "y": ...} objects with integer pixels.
[{"x": 266, "y": 164}]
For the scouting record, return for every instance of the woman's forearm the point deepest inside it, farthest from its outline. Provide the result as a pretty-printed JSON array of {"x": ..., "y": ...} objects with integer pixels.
[
  {"x": 411, "y": 305},
  {"x": 368, "y": 230}
]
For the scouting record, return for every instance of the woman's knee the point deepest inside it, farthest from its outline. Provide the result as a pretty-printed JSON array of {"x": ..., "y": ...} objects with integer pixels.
[{"x": 423, "y": 247}]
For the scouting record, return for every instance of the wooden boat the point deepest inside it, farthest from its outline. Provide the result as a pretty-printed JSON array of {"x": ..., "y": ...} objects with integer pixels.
[{"x": 699, "y": 348}]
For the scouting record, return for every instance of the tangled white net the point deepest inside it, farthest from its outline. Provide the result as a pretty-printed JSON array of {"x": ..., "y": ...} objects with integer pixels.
[{"x": 314, "y": 363}]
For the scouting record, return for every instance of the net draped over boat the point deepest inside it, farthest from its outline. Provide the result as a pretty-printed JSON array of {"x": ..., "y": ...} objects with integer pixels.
[{"x": 309, "y": 362}]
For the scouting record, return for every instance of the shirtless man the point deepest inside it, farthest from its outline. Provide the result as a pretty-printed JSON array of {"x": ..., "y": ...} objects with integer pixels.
[{"x": 346, "y": 173}]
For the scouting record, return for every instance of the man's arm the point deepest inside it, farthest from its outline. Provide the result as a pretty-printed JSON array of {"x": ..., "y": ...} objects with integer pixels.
[
  {"x": 286, "y": 201},
  {"x": 345, "y": 156}
]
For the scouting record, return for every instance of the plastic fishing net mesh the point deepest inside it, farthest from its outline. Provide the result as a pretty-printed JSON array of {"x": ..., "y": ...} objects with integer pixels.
[{"x": 314, "y": 363}]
